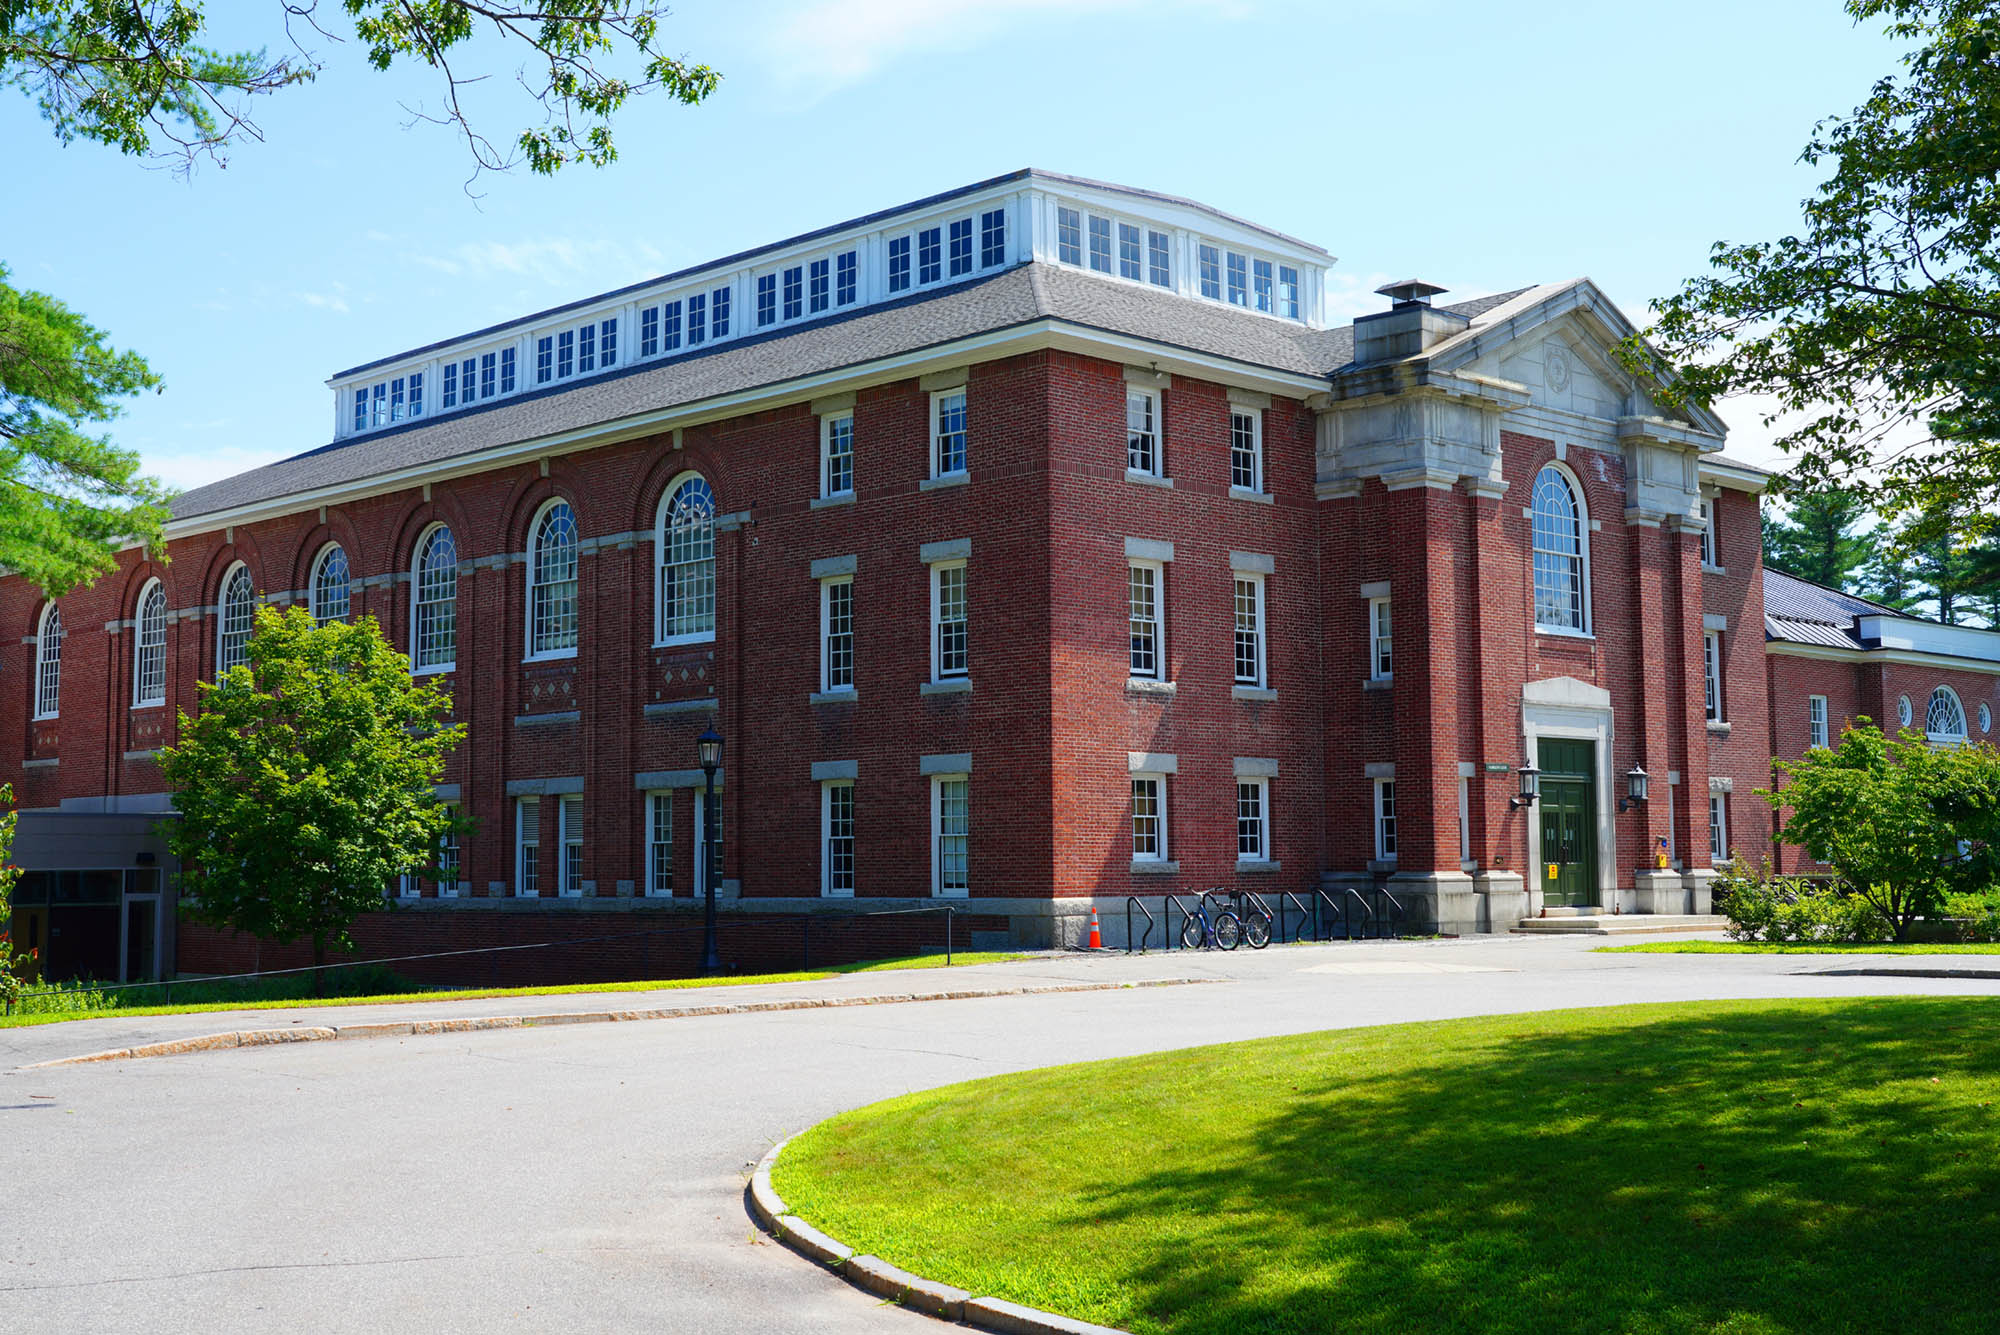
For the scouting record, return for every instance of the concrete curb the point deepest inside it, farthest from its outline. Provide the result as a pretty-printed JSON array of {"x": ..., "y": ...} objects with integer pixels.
[
  {"x": 249, "y": 1038},
  {"x": 1904, "y": 973},
  {"x": 878, "y": 1276}
]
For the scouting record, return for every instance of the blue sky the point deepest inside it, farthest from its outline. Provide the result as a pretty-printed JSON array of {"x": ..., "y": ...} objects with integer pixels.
[{"x": 1476, "y": 145}]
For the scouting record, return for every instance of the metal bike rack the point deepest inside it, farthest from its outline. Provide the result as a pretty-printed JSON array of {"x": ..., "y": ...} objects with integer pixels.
[
  {"x": 1132, "y": 902},
  {"x": 1169, "y": 903}
]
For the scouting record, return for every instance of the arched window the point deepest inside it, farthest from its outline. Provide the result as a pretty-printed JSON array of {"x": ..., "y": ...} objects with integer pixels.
[
  {"x": 552, "y": 583},
  {"x": 149, "y": 659},
  {"x": 330, "y": 585},
  {"x": 1944, "y": 720},
  {"x": 232, "y": 636},
  {"x": 48, "y": 664},
  {"x": 685, "y": 580},
  {"x": 434, "y": 628},
  {"x": 1561, "y": 557}
]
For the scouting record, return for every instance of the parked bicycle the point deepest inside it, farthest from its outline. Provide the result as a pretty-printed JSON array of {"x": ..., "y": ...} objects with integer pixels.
[{"x": 1245, "y": 919}]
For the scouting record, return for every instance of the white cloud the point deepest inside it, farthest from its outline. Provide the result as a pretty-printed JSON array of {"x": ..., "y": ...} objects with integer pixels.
[
  {"x": 326, "y": 301},
  {"x": 211, "y": 463},
  {"x": 555, "y": 261}
]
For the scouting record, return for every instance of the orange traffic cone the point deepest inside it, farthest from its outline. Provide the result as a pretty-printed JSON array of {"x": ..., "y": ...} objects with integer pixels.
[{"x": 1096, "y": 941}]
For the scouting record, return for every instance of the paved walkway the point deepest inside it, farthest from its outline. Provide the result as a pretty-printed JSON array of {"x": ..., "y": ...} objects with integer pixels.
[{"x": 590, "y": 1177}]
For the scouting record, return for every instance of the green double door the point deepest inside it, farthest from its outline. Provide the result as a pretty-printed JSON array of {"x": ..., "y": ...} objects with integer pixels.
[{"x": 1568, "y": 807}]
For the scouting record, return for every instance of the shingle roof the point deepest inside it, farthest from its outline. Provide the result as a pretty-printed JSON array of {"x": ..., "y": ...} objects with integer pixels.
[{"x": 1801, "y": 612}]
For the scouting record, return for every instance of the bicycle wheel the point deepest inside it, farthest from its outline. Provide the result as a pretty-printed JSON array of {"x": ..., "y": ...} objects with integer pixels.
[
  {"x": 1192, "y": 934},
  {"x": 1257, "y": 930},
  {"x": 1228, "y": 930}
]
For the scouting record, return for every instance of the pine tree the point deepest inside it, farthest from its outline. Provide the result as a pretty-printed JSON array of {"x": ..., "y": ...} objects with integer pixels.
[{"x": 1815, "y": 538}]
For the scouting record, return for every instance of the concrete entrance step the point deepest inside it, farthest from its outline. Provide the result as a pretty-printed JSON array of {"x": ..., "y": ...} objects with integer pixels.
[{"x": 1593, "y": 923}]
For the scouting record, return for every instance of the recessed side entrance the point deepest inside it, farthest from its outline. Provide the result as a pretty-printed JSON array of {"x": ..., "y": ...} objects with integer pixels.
[{"x": 1568, "y": 814}]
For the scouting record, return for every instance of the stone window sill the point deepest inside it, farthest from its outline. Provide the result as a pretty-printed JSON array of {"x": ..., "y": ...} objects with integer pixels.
[
  {"x": 1148, "y": 479},
  {"x": 828, "y": 502},
  {"x": 1377, "y": 683},
  {"x": 1245, "y": 494},
  {"x": 1381, "y": 864},
  {"x": 1154, "y": 867},
  {"x": 948, "y": 480},
  {"x": 1718, "y": 728},
  {"x": 1247, "y": 867},
  {"x": 1147, "y": 686},
  {"x": 1252, "y": 693},
  {"x": 953, "y": 686},
  {"x": 848, "y": 696}
]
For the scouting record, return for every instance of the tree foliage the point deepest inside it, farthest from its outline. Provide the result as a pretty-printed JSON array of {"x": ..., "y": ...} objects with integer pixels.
[
  {"x": 1878, "y": 322},
  {"x": 1815, "y": 538},
  {"x": 15, "y": 964},
  {"x": 1901, "y": 822},
  {"x": 306, "y": 784},
  {"x": 135, "y": 74}
]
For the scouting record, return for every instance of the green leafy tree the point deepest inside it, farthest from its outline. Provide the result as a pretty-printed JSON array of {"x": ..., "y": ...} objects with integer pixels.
[
  {"x": 15, "y": 963},
  {"x": 68, "y": 497},
  {"x": 1878, "y": 321},
  {"x": 1901, "y": 822},
  {"x": 1815, "y": 539},
  {"x": 305, "y": 785}
]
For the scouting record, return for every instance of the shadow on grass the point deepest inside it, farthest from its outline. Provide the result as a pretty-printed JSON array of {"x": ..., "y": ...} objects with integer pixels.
[{"x": 1647, "y": 1179}]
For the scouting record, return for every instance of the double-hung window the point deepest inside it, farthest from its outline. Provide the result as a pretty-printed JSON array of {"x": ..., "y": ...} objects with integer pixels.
[
  {"x": 1239, "y": 279},
  {"x": 586, "y": 349},
  {"x": 1100, "y": 244},
  {"x": 448, "y": 864},
  {"x": 1708, "y": 547},
  {"x": 697, "y": 318},
  {"x": 1253, "y": 820},
  {"x": 506, "y": 370},
  {"x": 795, "y": 292},
  {"x": 1261, "y": 289},
  {"x": 1148, "y": 620},
  {"x": 767, "y": 299},
  {"x": 836, "y": 805},
  {"x": 899, "y": 264},
  {"x": 1246, "y": 450},
  {"x": 565, "y": 354},
  {"x": 1069, "y": 236},
  {"x": 569, "y": 820},
  {"x": 1711, "y": 671},
  {"x": 930, "y": 255},
  {"x": 836, "y": 634},
  {"x": 1288, "y": 292},
  {"x": 660, "y": 843},
  {"x": 1381, "y": 648},
  {"x": 1159, "y": 259},
  {"x": 950, "y": 656},
  {"x": 1385, "y": 820},
  {"x": 448, "y": 390},
  {"x": 552, "y": 570},
  {"x": 1249, "y": 629},
  {"x": 961, "y": 247},
  {"x": 836, "y": 455},
  {"x": 545, "y": 361},
  {"x": 528, "y": 847},
  {"x": 1149, "y": 818},
  {"x": 48, "y": 664},
  {"x": 718, "y": 313},
  {"x": 948, "y": 433},
  {"x": 486, "y": 361},
  {"x": 1128, "y": 252},
  {"x": 149, "y": 668},
  {"x": 845, "y": 267},
  {"x": 649, "y": 332},
  {"x": 818, "y": 294},
  {"x": 434, "y": 606},
  {"x": 1718, "y": 828},
  {"x": 1816, "y": 730},
  {"x": 992, "y": 238},
  {"x": 951, "y": 832},
  {"x": 1209, "y": 263},
  {"x": 1142, "y": 432}
]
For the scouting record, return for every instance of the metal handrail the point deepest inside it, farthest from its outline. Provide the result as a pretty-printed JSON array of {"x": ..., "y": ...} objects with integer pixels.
[{"x": 1132, "y": 902}]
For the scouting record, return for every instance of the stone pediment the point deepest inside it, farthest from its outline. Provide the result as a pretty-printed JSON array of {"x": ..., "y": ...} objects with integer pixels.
[{"x": 1565, "y": 693}]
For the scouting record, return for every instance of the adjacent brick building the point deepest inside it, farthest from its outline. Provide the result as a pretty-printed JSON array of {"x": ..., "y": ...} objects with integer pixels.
[{"x": 1033, "y": 546}]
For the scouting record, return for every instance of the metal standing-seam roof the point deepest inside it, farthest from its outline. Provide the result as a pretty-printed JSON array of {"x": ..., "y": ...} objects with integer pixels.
[{"x": 1799, "y": 611}]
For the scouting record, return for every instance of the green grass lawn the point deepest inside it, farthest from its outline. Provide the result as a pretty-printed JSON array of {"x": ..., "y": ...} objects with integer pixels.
[
  {"x": 1810, "y": 948},
  {"x": 293, "y": 990},
  {"x": 1740, "y": 1167}
]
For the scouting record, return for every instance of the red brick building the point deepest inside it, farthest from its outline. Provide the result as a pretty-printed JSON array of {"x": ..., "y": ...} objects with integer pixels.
[{"x": 1033, "y": 546}]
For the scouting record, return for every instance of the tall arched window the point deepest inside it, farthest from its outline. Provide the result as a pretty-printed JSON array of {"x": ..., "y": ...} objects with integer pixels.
[
  {"x": 1561, "y": 557},
  {"x": 1944, "y": 719},
  {"x": 330, "y": 585},
  {"x": 684, "y": 582},
  {"x": 434, "y": 627},
  {"x": 552, "y": 582},
  {"x": 232, "y": 636},
  {"x": 149, "y": 659},
  {"x": 48, "y": 663}
]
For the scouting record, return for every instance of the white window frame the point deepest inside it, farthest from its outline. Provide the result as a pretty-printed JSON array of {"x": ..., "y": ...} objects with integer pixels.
[
  {"x": 223, "y": 656},
  {"x": 454, "y": 864},
  {"x": 321, "y": 591},
  {"x": 828, "y": 888},
  {"x": 1258, "y": 485},
  {"x": 149, "y": 689},
  {"x": 1582, "y": 555},
  {"x": 1464, "y": 820},
  {"x": 1255, "y": 580},
  {"x": 1718, "y": 828},
  {"x": 1385, "y": 820},
  {"x": 527, "y": 836},
  {"x": 1145, "y": 448},
  {"x": 827, "y": 427},
  {"x": 827, "y": 685},
  {"x": 1710, "y": 549},
  {"x": 1261, "y": 821},
  {"x": 1957, "y": 707},
  {"x": 1711, "y": 670},
  {"x": 939, "y": 889},
  {"x": 1381, "y": 640},
  {"x": 445, "y": 607},
  {"x": 1162, "y": 851},
  {"x": 660, "y": 842},
  {"x": 939, "y": 671},
  {"x": 569, "y": 838},
  {"x": 664, "y": 566},
  {"x": 531, "y": 584},
  {"x": 1158, "y": 621},
  {"x": 48, "y": 663},
  {"x": 939, "y": 398},
  {"x": 1817, "y": 731}
]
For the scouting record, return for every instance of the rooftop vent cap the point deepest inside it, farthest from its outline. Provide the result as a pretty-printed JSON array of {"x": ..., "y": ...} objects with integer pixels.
[{"x": 1410, "y": 292}]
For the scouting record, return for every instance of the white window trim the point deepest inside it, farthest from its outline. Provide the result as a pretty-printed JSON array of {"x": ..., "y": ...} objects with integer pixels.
[
  {"x": 826, "y": 424},
  {"x": 937, "y": 624},
  {"x": 42, "y": 710},
  {"x": 532, "y": 655},
  {"x": 826, "y": 887},
  {"x": 1718, "y": 824},
  {"x": 651, "y": 797},
  {"x": 1958, "y": 703},
  {"x": 527, "y": 834},
  {"x": 1588, "y": 630},
  {"x": 1256, "y": 416},
  {"x": 139, "y": 700},
  {"x": 938, "y": 890},
  {"x": 1159, "y": 569},
  {"x": 313, "y": 584},
  {"x": 222, "y": 610},
  {"x": 1819, "y": 731},
  {"x": 1465, "y": 821},
  {"x": 937, "y": 401},
  {"x": 1381, "y": 852},
  {"x": 1256, "y": 579},
  {"x": 565, "y": 837},
  {"x": 416, "y": 593},
  {"x": 1375, "y": 638},
  {"x": 1710, "y": 548},
  {"x": 825, "y": 636},
  {"x": 1164, "y": 853},
  {"x": 1711, "y": 666},
  {"x": 662, "y": 641},
  {"x": 1158, "y": 471},
  {"x": 1263, "y": 786}
]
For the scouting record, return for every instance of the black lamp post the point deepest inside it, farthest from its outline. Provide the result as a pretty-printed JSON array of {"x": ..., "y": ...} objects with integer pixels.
[
  {"x": 709, "y": 747},
  {"x": 1636, "y": 780},
  {"x": 1531, "y": 786}
]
